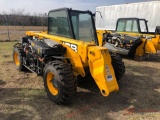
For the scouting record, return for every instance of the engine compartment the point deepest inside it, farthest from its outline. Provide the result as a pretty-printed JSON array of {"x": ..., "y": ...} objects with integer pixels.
[
  {"x": 121, "y": 42},
  {"x": 38, "y": 52}
]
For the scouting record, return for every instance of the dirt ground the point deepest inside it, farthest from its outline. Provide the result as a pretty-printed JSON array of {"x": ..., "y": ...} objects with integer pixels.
[{"x": 22, "y": 95}]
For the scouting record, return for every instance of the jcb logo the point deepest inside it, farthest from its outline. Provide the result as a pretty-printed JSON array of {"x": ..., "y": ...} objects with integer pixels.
[{"x": 72, "y": 46}]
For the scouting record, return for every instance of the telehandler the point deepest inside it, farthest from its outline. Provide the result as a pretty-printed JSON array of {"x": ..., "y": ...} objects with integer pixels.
[
  {"x": 69, "y": 48},
  {"x": 132, "y": 38}
]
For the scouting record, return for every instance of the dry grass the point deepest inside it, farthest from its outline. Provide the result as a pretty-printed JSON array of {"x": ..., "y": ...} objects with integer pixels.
[
  {"x": 22, "y": 95},
  {"x": 15, "y": 32}
]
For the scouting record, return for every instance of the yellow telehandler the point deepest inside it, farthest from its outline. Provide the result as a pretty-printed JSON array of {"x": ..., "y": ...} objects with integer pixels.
[
  {"x": 132, "y": 38},
  {"x": 68, "y": 49}
]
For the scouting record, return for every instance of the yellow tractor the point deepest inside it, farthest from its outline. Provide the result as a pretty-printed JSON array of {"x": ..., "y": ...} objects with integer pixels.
[
  {"x": 132, "y": 38},
  {"x": 68, "y": 49}
]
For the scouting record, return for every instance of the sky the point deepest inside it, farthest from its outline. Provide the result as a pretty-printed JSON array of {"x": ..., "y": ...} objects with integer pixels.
[{"x": 43, "y": 6}]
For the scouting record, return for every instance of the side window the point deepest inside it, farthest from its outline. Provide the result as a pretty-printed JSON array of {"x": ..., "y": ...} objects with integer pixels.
[
  {"x": 121, "y": 26},
  {"x": 58, "y": 24},
  {"x": 85, "y": 27},
  {"x": 82, "y": 26},
  {"x": 142, "y": 26},
  {"x": 75, "y": 25}
]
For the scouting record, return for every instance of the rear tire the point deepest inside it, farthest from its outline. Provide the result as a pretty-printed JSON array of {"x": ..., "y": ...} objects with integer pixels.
[
  {"x": 18, "y": 55},
  {"x": 59, "y": 81},
  {"x": 118, "y": 66}
]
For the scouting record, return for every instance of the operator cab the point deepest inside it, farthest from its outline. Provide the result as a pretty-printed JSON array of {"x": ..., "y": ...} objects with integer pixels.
[
  {"x": 75, "y": 24},
  {"x": 135, "y": 25}
]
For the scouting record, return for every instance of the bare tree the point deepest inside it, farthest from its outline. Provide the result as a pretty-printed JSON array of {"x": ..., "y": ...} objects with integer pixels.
[
  {"x": 6, "y": 19},
  {"x": 28, "y": 14},
  {"x": 20, "y": 14},
  {"x": 20, "y": 17},
  {"x": 42, "y": 17},
  {"x": 13, "y": 12}
]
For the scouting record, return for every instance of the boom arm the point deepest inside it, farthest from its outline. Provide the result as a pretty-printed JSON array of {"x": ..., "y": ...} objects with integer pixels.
[{"x": 102, "y": 70}]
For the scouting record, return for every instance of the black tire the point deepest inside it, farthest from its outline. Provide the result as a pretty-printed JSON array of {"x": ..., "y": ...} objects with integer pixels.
[
  {"x": 118, "y": 66},
  {"x": 62, "y": 85},
  {"x": 18, "y": 55}
]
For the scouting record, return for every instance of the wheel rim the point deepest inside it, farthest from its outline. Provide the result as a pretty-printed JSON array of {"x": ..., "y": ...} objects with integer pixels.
[
  {"x": 51, "y": 84},
  {"x": 16, "y": 59}
]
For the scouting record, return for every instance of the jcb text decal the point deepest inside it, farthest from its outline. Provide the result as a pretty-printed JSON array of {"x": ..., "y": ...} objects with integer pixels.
[{"x": 72, "y": 46}]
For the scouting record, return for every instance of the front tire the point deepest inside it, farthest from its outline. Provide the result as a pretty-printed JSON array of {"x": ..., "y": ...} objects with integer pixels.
[
  {"x": 118, "y": 66},
  {"x": 18, "y": 55},
  {"x": 59, "y": 81}
]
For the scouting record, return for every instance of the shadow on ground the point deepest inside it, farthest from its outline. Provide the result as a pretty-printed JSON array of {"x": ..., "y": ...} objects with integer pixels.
[
  {"x": 2, "y": 82},
  {"x": 151, "y": 58}
]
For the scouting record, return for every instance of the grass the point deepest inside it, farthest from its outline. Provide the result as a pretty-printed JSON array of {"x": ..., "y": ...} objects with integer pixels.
[
  {"x": 6, "y": 51},
  {"x": 15, "y": 32}
]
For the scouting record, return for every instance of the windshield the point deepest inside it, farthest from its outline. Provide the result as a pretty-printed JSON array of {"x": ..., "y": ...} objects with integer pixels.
[
  {"x": 127, "y": 25},
  {"x": 82, "y": 26}
]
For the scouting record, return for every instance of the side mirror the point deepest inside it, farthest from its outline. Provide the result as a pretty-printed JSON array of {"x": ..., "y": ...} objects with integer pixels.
[{"x": 157, "y": 30}]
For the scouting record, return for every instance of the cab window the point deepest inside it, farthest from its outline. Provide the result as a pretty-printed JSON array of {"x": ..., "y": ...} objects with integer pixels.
[
  {"x": 127, "y": 26},
  {"x": 58, "y": 23},
  {"x": 121, "y": 26},
  {"x": 82, "y": 26},
  {"x": 143, "y": 26}
]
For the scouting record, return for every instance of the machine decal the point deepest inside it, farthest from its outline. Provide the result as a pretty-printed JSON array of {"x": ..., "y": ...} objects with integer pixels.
[
  {"x": 109, "y": 76},
  {"x": 72, "y": 46}
]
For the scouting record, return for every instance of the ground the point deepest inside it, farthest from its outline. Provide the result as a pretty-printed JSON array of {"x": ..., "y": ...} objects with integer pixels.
[{"x": 22, "y": 94}]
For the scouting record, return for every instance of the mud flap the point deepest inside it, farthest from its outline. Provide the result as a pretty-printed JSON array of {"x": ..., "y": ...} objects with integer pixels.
[{"x": 101, "y": 69}]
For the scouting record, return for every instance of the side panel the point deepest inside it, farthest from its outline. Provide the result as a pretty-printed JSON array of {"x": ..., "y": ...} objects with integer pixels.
[
  {"x": 158, "y": 45},
  {"x": 145, "y": 47},
  {"x": 100, "y": 36},
  {"x": 156, "y": 42},
  {"x": 101, "y": 69}
]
